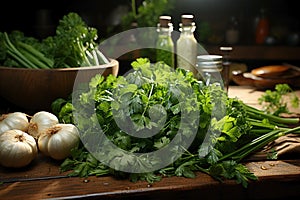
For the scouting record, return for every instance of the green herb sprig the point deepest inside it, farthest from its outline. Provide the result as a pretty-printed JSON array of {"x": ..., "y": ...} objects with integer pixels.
[{"x": 276, "y": 101}]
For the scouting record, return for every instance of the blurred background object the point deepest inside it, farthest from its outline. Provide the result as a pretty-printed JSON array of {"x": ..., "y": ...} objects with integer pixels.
[
  {"x": 232, "y": 32},
  {"x": 212, "y": 17}
]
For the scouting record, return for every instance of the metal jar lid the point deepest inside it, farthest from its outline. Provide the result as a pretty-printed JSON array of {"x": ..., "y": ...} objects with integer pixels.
[{"x": 209, "y": 62}]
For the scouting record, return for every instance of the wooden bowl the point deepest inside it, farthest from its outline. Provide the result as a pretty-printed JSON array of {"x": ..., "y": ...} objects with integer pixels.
[
  {"x": 36, "y": 89},
  {"x": 249, "y": 79},
  {"x": 270, "y": 71}
]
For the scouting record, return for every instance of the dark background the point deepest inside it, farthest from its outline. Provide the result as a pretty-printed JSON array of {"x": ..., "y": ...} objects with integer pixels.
[{"x": 39, "y": 18}]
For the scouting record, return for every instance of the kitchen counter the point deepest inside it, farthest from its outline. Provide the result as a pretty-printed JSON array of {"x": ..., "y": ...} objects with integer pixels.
[{"x": 277, "y": 179}]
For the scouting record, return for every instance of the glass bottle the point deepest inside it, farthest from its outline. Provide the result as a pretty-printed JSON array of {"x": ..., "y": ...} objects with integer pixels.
[
  {"x": 210, "y": 69},
  {"x": 232, "y": 32},
  {"x": 164, "y": 44},
  {"x": 262, "y": 28},
  {"x": 226, "y": 50},
  {"x": 186, "y": 45}
]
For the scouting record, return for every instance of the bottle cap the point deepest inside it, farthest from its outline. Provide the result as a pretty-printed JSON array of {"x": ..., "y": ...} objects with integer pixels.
[
  {"x": 164, "y": 20},
  {"x": 187, "y": 19}
]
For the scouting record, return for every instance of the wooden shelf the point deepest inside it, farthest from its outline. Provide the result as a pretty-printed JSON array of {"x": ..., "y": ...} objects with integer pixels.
[
  {"x": 256, "y": 52},
  {"x": 243, "y": 52}
]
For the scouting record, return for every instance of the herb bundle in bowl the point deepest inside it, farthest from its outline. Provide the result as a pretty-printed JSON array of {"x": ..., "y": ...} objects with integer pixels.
[{"x": 35, "y": 72}]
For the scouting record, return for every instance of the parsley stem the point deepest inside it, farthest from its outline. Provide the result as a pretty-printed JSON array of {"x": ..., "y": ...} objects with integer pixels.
[
  {"x": 258, "y": 114},
  {"x": 262, "y": 125},
  {"x": 149, "y": 96},
  {"x": 237, "y": 153},
  {"x": 258, "y": 143},
  {"x": 257, "y": 146},
  {"x": 269, "y": 122}
]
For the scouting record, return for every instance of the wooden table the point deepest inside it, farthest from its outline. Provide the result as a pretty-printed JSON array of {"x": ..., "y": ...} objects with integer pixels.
[
  {"x": 250, "y": 96},
  {"x": 42, "y": 180}
]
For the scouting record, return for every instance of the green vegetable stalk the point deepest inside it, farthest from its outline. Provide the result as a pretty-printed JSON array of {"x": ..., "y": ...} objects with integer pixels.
[{"x": 26, "y": 54}]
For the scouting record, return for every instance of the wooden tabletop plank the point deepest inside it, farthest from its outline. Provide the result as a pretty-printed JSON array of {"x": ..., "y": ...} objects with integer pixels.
[
  {"x": 276, "y": 172},
  {"x": 250, "y": 96}
]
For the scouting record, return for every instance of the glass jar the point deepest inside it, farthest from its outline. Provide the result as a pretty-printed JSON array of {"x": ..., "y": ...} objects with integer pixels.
[
  {"x": 186, "y": 46},
  {"x": 210, "y": 69},
  {"x": 164, "y": 44}
]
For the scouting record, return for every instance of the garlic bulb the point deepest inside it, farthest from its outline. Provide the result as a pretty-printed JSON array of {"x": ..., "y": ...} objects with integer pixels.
[
  {"x": 17, "y": 148},
  {"x": 41, "y": 121},
  {"x": 15, "y": 120},
  {"x": 58, "y": 140}
]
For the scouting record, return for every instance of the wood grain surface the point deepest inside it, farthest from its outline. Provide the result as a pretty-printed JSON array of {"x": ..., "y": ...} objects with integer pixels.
[{"x": 277, "y": 179}]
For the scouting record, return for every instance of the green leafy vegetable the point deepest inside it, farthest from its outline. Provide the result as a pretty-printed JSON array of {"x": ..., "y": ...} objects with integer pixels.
[
  {"x": 74, "y": 42},
  {"x": 154, "y": 97},
  {"x": 73, "y": 45}
]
